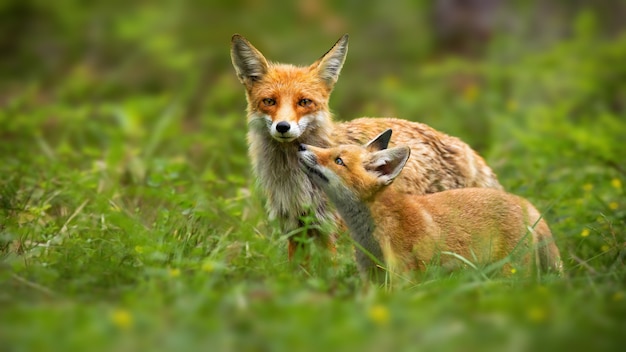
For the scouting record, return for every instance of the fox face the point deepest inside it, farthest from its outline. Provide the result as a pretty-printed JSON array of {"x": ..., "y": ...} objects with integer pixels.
[
  {"x": 354, "y": 172},
  {"x": 286, "y": 101}
]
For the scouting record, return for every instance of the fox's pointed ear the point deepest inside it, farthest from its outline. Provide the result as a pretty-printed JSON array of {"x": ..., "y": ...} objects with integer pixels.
[
  {"x": 388, "y": 163},
  {"x": 330, "y": 64},
  {"x": 249, "y": 63},
  {"x": 380, "y": 142}
]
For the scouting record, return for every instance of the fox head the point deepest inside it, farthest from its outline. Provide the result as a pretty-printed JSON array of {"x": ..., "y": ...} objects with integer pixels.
[
  {"x": 354, "y": 172},
  {"x": 286, "y": 101}
]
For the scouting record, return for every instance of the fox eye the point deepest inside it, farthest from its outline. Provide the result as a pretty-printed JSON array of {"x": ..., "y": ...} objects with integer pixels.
[
  {"x": 269, "y": 101},
  {"x": 305, "y": 102},
  {"x": 338, "y": 161}
]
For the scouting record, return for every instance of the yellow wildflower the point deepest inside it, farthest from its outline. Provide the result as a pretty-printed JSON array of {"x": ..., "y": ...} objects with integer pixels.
[
  {"x": 613, "y": 205},
  {"x": 588, "y": 187},
  {"x": 391, "y": 82},
  {"x": 537, "y": 314},
  {"x": 585, "y": 233},
  {"x": 616, "y": 183},
  {"x": 470, "y": 93},
  {"x": 511, "y": 105},
  {"x": 208, "y": 266},
  {"x": 379, "y": 314},
  {"x": 122, "y": 319},
  {"x": 139, "y": 249},
  {"x": 513, "y": 270}
]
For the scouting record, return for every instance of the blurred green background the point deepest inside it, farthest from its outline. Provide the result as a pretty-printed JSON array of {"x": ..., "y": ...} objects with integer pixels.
[{"x": 129, "y": 219}]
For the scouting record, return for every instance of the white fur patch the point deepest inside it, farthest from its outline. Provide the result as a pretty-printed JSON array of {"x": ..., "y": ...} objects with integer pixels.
[
  {"x": 296, "y": 129},
  {"x": 294, "y": 132}
]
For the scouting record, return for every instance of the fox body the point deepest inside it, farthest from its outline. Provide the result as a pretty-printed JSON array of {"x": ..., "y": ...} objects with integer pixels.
[
  {"x": 411, "y": 230},
  {"x": 288, "y": 105}
]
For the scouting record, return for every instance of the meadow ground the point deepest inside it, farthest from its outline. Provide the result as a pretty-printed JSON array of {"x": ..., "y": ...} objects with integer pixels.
[{"x": 131, "y": 221}]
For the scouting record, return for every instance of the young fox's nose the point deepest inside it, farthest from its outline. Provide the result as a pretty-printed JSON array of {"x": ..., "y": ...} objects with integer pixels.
[
  {"x": 301, "y": 148},
  {"x": 283, "y": 126}
]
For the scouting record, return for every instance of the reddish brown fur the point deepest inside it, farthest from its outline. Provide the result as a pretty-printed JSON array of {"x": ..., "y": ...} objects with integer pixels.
[
  {"x": 444, "y": 162},
  {"x": 287, "y": 87},
  {"x": 440, "y": 161},
  {"x": 485, "y": 223},
  {"x": 479, "y": 224}
]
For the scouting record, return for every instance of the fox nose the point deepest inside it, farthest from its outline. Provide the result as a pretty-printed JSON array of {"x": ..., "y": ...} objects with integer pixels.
[
  {"x": 283, "y": 126},
  {"x": 301, "y": 148}
]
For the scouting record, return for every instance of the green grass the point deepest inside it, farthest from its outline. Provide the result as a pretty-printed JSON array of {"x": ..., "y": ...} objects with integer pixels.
[{"x": 131, "y": 221}]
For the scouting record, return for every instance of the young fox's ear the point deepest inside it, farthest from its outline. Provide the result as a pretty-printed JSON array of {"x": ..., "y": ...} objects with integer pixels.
[
  {"x": 380, "y": 142},
  {"x": 388, "y": 163},
  {"x": 330, "y": 64},
  {"x": 249, "y": 63}
]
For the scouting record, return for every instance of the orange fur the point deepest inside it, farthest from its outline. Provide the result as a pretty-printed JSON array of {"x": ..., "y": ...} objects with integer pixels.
[
  {"x": 288, "y": 105},
  {"x": 480, "y": 224}
]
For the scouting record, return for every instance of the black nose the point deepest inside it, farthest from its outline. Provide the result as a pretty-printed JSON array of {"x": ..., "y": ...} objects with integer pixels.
[
  {"x": 301, "y": 148},
  {"x": 283, "y": 126}
]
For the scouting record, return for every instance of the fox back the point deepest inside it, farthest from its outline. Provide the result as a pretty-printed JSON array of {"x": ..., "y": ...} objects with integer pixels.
[
  {"x": 480, "y": 224},
  {"x": 288, "y": 105}
]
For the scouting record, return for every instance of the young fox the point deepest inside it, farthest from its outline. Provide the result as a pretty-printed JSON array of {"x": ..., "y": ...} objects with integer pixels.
[
  {"x": 288, "y": 105},
  {"x": 481, "y": 224}
]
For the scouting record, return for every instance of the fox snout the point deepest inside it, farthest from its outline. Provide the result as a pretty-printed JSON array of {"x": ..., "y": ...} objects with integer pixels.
[
  {"x": 283, "y": 126},
  {"x": 284, "y": 131},
  {"x": 306, "y": 157},
  {"x": 310, "y": 166}
]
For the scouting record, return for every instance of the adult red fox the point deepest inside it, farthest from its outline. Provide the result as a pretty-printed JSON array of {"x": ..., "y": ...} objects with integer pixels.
[
  {"x": 288, "y": 105},
  {"x": 478, "y": 224}
]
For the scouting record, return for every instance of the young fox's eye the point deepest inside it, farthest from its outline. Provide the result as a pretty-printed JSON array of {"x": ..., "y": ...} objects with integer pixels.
[
  {"x": 338, "y": 161},
  {"x": 305, "y": 102},
  {"x": 269, "y": 102}
]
